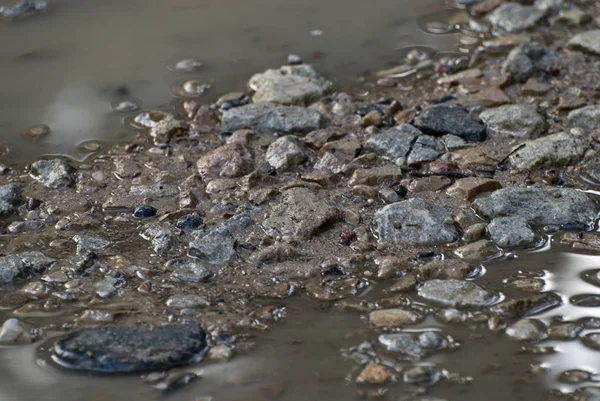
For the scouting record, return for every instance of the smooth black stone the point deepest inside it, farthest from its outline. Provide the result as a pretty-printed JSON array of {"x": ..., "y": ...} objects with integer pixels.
[
  {"x": 113, "y": 349},
  {"x": 189, "y": 222},
  {"x": 144, "y": 211}
]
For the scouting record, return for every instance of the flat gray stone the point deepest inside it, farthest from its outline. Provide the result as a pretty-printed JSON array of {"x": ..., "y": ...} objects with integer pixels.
[
  {"x": 516, "y": 120},
  {"x": 551, "y": 150},
  {"x": 414, "y": 221},
  {"x": 87, "y": 243},
  {"x": 213, "y": 248},
  {"x": 269, "y": 118},
  {"x": 395, "y": 143},
  {"x": 113, "y": 349},
  {"x": 586, "y": 117},
  {"x": 289, "y": 85},
  {"x": 588, "y": 42},
  {"x": 161, "y": 237},
  {"x": 511, "y": 232},
  {"x": 425, "y": 148},
  {"x": 539, "y": 206},
  {"x": 55, "y": 173},
  {"x": 107, "y": 288},
  {"x": 457, "y": 293},
  {"x": 514, "y": 17}
]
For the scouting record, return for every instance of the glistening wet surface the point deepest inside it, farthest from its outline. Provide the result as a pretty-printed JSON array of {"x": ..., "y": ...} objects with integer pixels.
[
  {"x": 317, "y": 349},
  {"x": 65, "y": 66}
]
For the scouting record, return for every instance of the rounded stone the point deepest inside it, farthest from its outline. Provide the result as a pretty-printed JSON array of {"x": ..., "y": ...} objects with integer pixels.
[
  {"x": 113, "y": 349},
  {"x": 144, "y": 211}
]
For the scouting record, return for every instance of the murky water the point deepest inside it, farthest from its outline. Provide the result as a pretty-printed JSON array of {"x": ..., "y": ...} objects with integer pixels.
[
  {"x": 302, "y": 356},
  {"x": 66, "y": 66}
]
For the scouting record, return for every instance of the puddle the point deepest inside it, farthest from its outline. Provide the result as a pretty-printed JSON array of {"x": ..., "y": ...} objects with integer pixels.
[{"x": 65, "y": 67}]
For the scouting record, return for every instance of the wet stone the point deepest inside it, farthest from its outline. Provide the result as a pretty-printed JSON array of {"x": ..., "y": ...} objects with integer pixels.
[
  {"x": 556, "y": 149},
  {"x": 374, "y": 374},
  {"x": 213, "y": 248},
  {"x": 516, "y": 120},
  {"x": 289, "y": 85},
  {"x": 468, "y": 188},
  {"x": 144, "y": 211},
  {"x": 586, "y": 117},
  {"x": 444, "y": 269},
  {"x": 456, "y": 293},
  {"x": 56, "y": 277},
  {"x": 394, "y": 143},
  {"x": 162, "y": 239},
  {"x": 12, "y": 332},
  {"x": 415, "y": 345},
  {"x": 55, "y": 173},
  {"x": 114, "y": 349},
  {"x": 10, "y": 199},
  {"x": 226, "y": 161},
  {"x": 286, "y": 153},
  {"x": 86, "y": 243},
  {"x": 267, "y": 118},
  {"x": 11, "y": 267},
  {"x": 539, "y": 206},
  {"x": 477, "y": 251},
  {"x": 414, "y": 221},
  {"x": 443, "y": 119},
  {"x": 422, "y": 375},
  {"x": 588, "y": 42},
  {"x": 187, "y": 301},
  {"x": 191, "y": 272},
  {"x": 153, "y": 190},
  {"x": 526, "y": 60},
  {"x": 189, "y": 222},
  {"x": 510, "y": 232},
  {"x": 393, "y": 318},
  {"x": 23, "y": 8},
  {"x": 107, "y": 288},
  {"x": 527, "y": 330},
  {"x": 514, "y": 17}
]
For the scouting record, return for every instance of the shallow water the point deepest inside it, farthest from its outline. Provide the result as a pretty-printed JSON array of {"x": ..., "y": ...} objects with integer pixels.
[
  {"x": 64, "y": 67},
  {"x": 301, "y": 357}
]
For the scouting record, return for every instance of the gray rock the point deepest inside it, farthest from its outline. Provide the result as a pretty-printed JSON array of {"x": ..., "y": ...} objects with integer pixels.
[
  {"x": 415, "y": 345},
  {"x": 11, "y": 267},
  {"x": 526, "y": 60},
  {"x": 86, "y": 243},
  {"x": 113, "y": 349},
  {"x": 189, "y": 271},
  {"x": 586, "y": 117},
  {"x": 442, "y": 119},
  {"x": 510, "y": 232},
  {"x": 588, "y": 42},
  {"x": 10, "y": 199},
  {"x": 514, "y": 17},
  {"x": 586, "y": 393},
  {"x": 107, "y": 288},
  {"x": 23, "y": 8},
  {"x": 187, "y": 301},
  {"x": 55, "y": 173},
  {"x": 527, "y": 330},
  {"x": 477, "y": 251},
  {"x": 164, "y": 130},
  {"x": 414, "y": 221},
  {"x": 457, "y": 293},
  {"x": 539, "y": 206},
  {"x": 213, "y": 248},
  {"x": 12, "y": 332},
  {"x": 25, "y": 226},
  {"x": 553, "y": 150},
  {"x": 162, "y": 239},
  {"x": 394, "y": 143},
  {"x": 453, "y": 142},
  {"x": 289, "y": 85},
  {"x": 154, "y": 190},
  {"x": 302, "y": 213},
  {"x": 396, "y": 317},
  {"x": 35, "y": 260},
  {"x": 268, "y": 118},
  {"x": 286, "y": 153},
  {"x": 426, "y": 148},
  {"x": 516, "y": 120}
]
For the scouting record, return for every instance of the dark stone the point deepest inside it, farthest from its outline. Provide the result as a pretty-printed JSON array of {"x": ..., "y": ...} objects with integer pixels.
[
  {"x": 144, "y": 211},
  {"x": 113, "y": 349},
  {"x": 442, "y": 119},
  {"x": 189, "y": 222}
]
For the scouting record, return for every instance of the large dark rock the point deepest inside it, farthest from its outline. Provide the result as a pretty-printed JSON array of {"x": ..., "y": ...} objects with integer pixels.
[
  {"x": 442, "y": 119},
  {"x": 113, "y": 349}
]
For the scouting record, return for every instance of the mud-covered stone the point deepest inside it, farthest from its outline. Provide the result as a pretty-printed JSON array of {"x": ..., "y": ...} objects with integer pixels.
[
  {"x": 444, "y": 119},
  {"x": 516, "y": 120},
  {"x": 557, "y": 149},
  {"x": 55, "y": 173},
  {"x": 457, "y": 293},
  {"x": 539, "y": 206},
  {"x": 414, "y": 221},
  {"x": 393, "y": 318},
  {"x": 113, "y": 349},
  {"x": 269, "y": 118},
  {"x": 510, "y": 232}
]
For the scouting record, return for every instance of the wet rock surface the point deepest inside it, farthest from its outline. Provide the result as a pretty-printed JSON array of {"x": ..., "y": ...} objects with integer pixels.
[{"x": 456, "y": 293}]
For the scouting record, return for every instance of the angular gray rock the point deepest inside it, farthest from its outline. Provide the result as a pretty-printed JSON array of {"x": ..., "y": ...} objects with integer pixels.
[
  {"x": 556, "y": 149},
  {"x": 516, "y": 120},
  {"x": 289, "y": 85},
  {"x": 510, "y": 232},
  {"x": 12, "y": 332},
  {"x": 457, "y": 293},
  {"x": 586, "y": 117},
  {"x": 107, "y": 288},
  {"x": 87, "y": 243},
  {"x": 55, "y": 173},
  {"x": 187, "y": 301},
  {"x": 213, "y": 248},
  {"x": 442, "y": 119},
  {"x": 113, "y": 349},
  {"x": 286, "y": 153},
  {"x": 10, "y": 199},
  {"x": 588, "y": 42},
  {"x": 11, "y": 267},
  {"x": 269, "y": 118},
  {"x": 414, "y": 221},
  {"x": 161, "y": 237},
  {"x": 425, "y": 148},
  {"x": 526, "y": 60},
  {"x": 190, "y": 271},
  {"x": 394, "y": 143},
  {"x": 514, "y": 17},
  {"x": 539, "y": 206}
]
